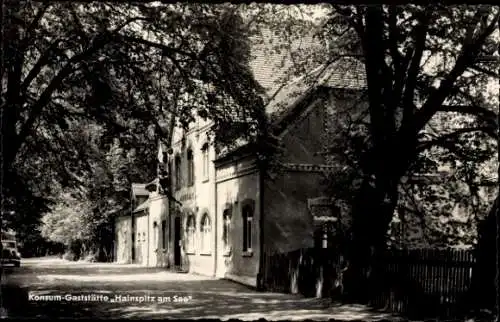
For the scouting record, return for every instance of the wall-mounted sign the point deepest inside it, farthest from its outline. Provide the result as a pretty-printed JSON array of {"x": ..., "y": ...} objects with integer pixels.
[{"x": 322, "y": 209}]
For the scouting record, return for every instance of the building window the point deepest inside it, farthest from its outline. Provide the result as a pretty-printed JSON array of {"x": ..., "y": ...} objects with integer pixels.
[
  {"x": 190, "y": 167},
  {"x": 138, "y": 237},
  {"x": 205, "y": 230},
  {"x": 226, "y": 231},
  {"x": 163, "y": 234},
  {"x": 247, "y": 227},
  {"x": 204, "y": 151},
  {"x": 143, "y": 236},
  {"x": 178, "y": 172},
  {"x": 190, "y": 234}
]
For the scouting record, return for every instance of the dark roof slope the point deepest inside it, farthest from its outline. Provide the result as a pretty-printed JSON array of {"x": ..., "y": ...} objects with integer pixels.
[{"x": 286, "y": 98}]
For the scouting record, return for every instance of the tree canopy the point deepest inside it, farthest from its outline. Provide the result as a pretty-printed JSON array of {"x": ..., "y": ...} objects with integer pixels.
[{"x": 88, "y": 88}]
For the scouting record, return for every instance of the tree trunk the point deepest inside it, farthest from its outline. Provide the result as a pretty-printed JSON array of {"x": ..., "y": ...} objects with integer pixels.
[
  {"x": 483, "y": 290},
  {"x": 371, "y": 217},
  {"x": 14, "y": 59}
]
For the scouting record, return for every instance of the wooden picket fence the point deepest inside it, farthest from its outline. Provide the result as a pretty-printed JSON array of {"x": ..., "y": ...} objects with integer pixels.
[
  {"x": 418, "y": 282},
  {"x": 423, "y": 282},
  {"x": 306, "y": 271}
]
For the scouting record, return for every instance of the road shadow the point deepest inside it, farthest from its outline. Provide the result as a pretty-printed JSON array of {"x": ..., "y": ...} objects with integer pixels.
[
  {"x": 175, "y": 299},
  {"x": 172, "y": 296}
]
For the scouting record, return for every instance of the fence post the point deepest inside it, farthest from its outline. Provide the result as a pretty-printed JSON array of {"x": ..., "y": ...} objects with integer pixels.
[
  {"x": 295, "y": 271},
  {"x": 319, "y": 274}
]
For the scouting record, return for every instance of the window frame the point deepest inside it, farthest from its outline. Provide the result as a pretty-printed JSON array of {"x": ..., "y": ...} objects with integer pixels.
[
  {"x": 205, "y": 162},
  {"x": 190, "y": 241},
  {"x": 227, "y": 217},
  {"x": 178, "y": 171},
  {"x": 205, "y": 234},
  {"x": 247, "y": 226},
  {"x": 190, "y": 167}
]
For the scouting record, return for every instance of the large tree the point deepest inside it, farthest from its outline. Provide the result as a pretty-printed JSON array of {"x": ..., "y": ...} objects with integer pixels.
[
  {"x": 431, "y": 85},
  {"x": 422, "y": 63},
  {"x": 431, "y": 103}
]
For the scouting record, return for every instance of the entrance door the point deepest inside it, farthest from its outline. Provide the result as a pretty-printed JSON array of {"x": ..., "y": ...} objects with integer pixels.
[{"x": 177, "y": 241}]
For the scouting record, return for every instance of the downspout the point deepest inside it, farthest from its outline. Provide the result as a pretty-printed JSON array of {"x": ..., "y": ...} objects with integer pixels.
[
  {"x": 216, "y": 224},
  {"x": 171, "y": 203},
  {"x": 149, "y": 235},
  {"x": 263, "y": 166},
  {"x": 132, "y": 225},
  {"x": 260, "y": 274}
]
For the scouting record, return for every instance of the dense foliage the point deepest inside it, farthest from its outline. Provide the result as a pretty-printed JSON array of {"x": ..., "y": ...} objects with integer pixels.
[
  {"x": 430, "y": 108},
  {"x": 86, "y": 97},
  {"x": 432, "y": 94}
]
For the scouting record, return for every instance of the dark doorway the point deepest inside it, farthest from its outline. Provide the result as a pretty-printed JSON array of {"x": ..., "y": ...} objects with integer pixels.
[{"x": 177, "y": 242}]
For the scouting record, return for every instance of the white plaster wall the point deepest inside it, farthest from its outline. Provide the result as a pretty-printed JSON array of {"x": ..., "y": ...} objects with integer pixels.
[
  {"x": 197, "y": 199},
  {"x": 123, "y": 239},
  {"x": 141, "y": 240},
  {"x": 234, "y": 191},
  {"x": 158, "y": 211}
]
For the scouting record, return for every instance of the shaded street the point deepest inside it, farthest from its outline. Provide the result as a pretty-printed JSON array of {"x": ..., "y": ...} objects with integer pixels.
[{"x": 137, "y": 292}]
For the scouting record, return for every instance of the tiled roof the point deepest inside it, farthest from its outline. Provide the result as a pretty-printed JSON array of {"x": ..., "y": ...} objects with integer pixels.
[
  {"x": 272, "y": 67},
  {"x": 345, "y": 73},
  {"x": 265, "y": 62},
  {"x": 139, "y": 189}
]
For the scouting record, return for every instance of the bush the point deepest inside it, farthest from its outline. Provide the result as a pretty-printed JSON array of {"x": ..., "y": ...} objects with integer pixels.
[
  {"x": 92, "y": 258},
  {"x": 70, "y": 256}
]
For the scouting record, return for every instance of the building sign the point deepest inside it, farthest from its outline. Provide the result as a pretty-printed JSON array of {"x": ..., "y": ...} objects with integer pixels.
[
  {"x": 325, "y": 219},
  {"x": 322, "y": 210},
  {"x": 189, "y": 195}
]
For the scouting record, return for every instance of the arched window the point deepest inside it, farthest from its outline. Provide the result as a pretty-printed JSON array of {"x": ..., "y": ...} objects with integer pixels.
[
  {"x": 190, "y": 167},
  {"x": 190, "y": 234},
  {"x": 226, "y": 230},
  {"x": 247, "y": 214},
  {"x": 178, "y": 172},
  {"x": 206, "y": 232},
  {"x": 204, "y": 152}
]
